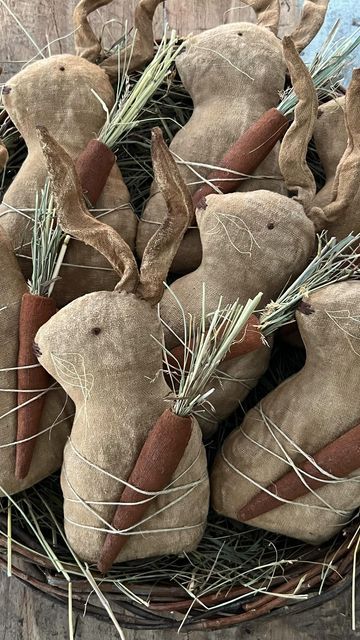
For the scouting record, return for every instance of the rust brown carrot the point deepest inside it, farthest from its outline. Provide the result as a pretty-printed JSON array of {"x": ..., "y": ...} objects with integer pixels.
[
  {"x": 153, "y": 470},
  {"x": 245, "y": 155},
  {"x": 249, "y": 340},
  {"x": 93, "y": 167},
  {"x": 339, "y": 458},
  {"x": 34, "y": 312}
]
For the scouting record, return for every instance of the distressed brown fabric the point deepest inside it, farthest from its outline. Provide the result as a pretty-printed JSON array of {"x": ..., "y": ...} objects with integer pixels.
[
  {"x": 56, "y": 93},
  {"x": 330, "y": 138},
  {"x": 110, "y": 366},
  {"x": 49, "y": 446},
  {"x": 312, "y": 408},
  {"x": 234, "y": 73},
  {"x": 252, "y": 242}
]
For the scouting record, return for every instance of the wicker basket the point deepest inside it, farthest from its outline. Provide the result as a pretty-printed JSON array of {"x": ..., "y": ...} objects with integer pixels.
[{"x": 166, "y": 604}]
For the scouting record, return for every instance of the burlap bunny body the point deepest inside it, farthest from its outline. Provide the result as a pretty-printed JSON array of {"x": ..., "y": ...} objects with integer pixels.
[
  {"x": 302, "y": 415},
  {"x": 57, "y": 92},
  {"x": 234, "y": 73},
  {"x": 330, "y": 138},
  {"x": 268, "y": 239},
  {"x": 102, "y": 348},
  {"x": 55, "y": 423}
]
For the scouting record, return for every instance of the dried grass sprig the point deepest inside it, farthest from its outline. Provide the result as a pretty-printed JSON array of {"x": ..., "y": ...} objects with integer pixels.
[
  {"x": 206, "y": 344},
  {"x": 326, "y": 69},
  {"x": 47, "y": 240},
  {"x": 335, "y": 261},
  {"x": 129, "y": 103}
]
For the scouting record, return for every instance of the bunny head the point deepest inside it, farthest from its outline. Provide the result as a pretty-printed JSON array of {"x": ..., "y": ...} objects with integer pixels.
[
  {"x": 119, "y": 318},
  {"x": 94, "y": 332},
  {"x": 214, "y": 58},
  {"x": 67, "y": 81}
]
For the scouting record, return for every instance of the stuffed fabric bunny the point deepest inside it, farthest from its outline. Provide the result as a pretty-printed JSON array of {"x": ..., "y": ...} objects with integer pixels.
[
  {"x": 101, "y": 348},
  {"x": 58, "y": 93},
  {"x": 234, "y": 73},
  {"x": 306, "y": 412}
]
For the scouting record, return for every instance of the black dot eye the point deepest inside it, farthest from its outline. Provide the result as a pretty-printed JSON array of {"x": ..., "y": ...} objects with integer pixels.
[
  {"x": 62, "y": 68},
  {"x": 270, "y": 225},
  {"x": 239, "y": 33},
  {"x": 95, "y": 331}
]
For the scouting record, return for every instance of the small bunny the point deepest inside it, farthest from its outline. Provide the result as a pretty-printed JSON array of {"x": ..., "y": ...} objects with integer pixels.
[
  {"x": 234, "y": 73},
  {"x": 55, "y": 422},
  {"x": 295, "y": 421},
  {"x": 58, "y": 93},
  {"x": 255, "y": 241},
  {"x": 101, "y": 348}
]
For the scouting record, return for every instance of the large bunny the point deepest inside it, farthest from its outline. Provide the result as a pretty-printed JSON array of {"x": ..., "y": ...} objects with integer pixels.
[
  {"x": 101, "y": 348},
  {"x": 55, "y": 422},
  {"x": 234, "y": 73},
  {"x": 252, "y": 242},
  {"x": 296, "y": 420},
  {"x": 58, "y": 93}
]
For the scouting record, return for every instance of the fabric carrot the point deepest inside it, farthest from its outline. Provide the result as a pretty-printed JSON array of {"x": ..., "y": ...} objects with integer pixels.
[
  {"x": 36, "y": 308},
  {"x": 157, "y": 462},
  {"x": 339, "y": 458},
  {"x": 93, "y": 166},
  {"x": 32, "y": 378},
  {"x": 244, "y": 157}
]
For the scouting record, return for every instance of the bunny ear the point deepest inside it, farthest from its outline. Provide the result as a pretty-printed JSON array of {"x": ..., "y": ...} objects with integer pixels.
[
  {"x": 87, "y": 45},
  {"x": 75, "y": 219},
  {"x": 162, "y": 247},
  {"x": 347, "y": 178},
  {"x": 141, "y": 49},
  {"x": 312, "y": 18},
  {"x": 267, "y": 13},
  {"x": 292, "y": 157}
]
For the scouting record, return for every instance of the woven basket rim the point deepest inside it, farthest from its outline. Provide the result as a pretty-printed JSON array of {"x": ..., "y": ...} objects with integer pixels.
[{"x": 166, "y": 603}]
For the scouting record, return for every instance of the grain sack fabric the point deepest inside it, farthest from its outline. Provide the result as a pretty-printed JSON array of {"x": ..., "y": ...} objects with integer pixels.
[
  {"x": 55, "y": 421},
  {"x": 330, "y": 138},
  {"x": 114, "y": 414},
  {"x": 56, "y": 93},
  {"x": 234, "y": 73},
  {"x": 255, "y": 241},
  {"x": 301, "y": 416}
]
